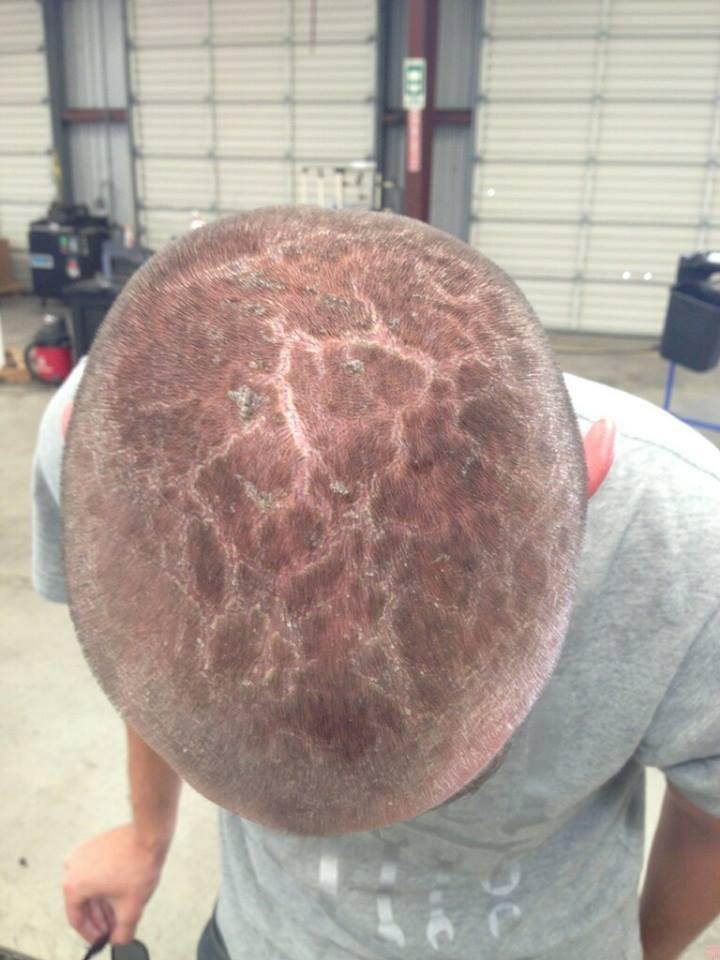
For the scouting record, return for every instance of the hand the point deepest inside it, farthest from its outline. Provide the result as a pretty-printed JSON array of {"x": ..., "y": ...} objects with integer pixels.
[{"x": 108, "y": 880}]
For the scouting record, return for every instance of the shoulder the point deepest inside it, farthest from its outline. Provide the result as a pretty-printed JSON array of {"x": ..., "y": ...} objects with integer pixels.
[
  {"x": 653, "y": 528},
  {"x": 50, "y": 441},
  {"x": 665, "y": 478},
  {"x": 646, "y": 433}
]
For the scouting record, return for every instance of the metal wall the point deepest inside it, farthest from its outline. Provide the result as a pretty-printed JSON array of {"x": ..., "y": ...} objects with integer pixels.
[
  {"x": 457, "y": 60},
  {"x": 452, "y": 156},
  {"x": 597, "y": 142},
  {"x": 100, "y": 153},
  {"x": 26, "y": 186},
  {"x": 232, "y": 100}
]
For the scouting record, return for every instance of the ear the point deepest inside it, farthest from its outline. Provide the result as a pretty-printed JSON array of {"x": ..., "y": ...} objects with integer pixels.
[
  {"x": 65, "y": 417},
  {"x": 599, "y": 444}
]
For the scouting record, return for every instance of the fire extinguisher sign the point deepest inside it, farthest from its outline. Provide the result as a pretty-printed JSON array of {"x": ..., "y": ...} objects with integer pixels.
[{"x": 414, "y": 83}]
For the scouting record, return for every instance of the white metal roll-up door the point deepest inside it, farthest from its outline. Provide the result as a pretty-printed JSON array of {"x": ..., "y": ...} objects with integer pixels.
[
  {"x": 597, "y": 150},
  {"x": 232, "y": 98},
  {"x": 25, "y": 131}
]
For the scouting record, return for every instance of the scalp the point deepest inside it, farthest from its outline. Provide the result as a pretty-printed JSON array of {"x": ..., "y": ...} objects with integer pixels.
[{"x": 324, "y": 498}]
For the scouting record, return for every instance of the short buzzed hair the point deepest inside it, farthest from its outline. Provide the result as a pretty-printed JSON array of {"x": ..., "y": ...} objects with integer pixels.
[{"x": 324, "y": 496}]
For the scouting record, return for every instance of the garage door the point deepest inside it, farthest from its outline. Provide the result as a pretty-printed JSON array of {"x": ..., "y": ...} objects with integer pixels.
[
  {"x": 26, "y": 140},
  {"x": 232, "y": 100},
  {"x": 597, "y": 148}
]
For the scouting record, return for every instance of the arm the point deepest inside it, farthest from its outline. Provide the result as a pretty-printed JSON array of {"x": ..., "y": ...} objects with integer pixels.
[
  {"x": 681, "y": 895},
  {"x": 110, "y": 878},
  {"x": 154, "y": 795}
]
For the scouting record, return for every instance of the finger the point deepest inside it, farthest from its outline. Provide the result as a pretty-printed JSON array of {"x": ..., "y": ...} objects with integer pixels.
[
  {"x": 124, "y": 929},
  {"x": 123, "y": 933},
  {"x": 76, "y": 909},
  {"x": 97, "y": 916},
  {"x": 81, "y": 921},
  {"x": 109, "y": 915}
]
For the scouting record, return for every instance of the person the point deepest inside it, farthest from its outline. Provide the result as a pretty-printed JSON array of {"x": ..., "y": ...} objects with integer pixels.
[{"x": 337, "y": 551}]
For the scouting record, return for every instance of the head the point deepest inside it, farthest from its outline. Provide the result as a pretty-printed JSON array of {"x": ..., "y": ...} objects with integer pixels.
[{"x": 324, "y": 497}]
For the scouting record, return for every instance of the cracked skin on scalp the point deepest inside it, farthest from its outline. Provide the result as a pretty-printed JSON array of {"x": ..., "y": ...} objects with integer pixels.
[{"x": 324, "y": 497}]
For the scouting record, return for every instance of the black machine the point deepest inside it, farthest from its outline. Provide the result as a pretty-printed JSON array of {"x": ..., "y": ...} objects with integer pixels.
[
  {"x": 90, "y": 300},
  {"x": 119, "y": 262},
  {"x": 66, "y": 245},
  {"x": 692, "y": 325}
]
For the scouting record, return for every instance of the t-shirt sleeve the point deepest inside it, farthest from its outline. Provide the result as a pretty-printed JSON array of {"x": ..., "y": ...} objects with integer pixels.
[
  {"x": 48, "y": 574},
  {"x": 683, "y": 739}
]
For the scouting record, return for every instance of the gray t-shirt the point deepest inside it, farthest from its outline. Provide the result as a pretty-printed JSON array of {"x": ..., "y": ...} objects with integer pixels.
[{"x": 543, "y": 860}]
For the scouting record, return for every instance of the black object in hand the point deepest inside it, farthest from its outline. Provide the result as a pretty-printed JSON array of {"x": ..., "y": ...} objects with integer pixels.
[
  {"x": 135, "y": 950},
  {"x": 97, "y": 946}
]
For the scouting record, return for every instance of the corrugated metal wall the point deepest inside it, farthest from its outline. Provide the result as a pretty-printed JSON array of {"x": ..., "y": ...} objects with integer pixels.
[
  {"x": 458, "y": 45},
  {"x": 26, "y": 186},
  {"x": 598, "y": 141},
  {"x": 231, "y": 100},
  {"x": 100, "y": 154},
  {"x": 596, "y": 136}
]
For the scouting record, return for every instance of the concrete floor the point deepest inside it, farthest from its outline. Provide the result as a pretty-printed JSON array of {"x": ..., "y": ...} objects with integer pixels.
[{"x": 62, "y": 745}]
